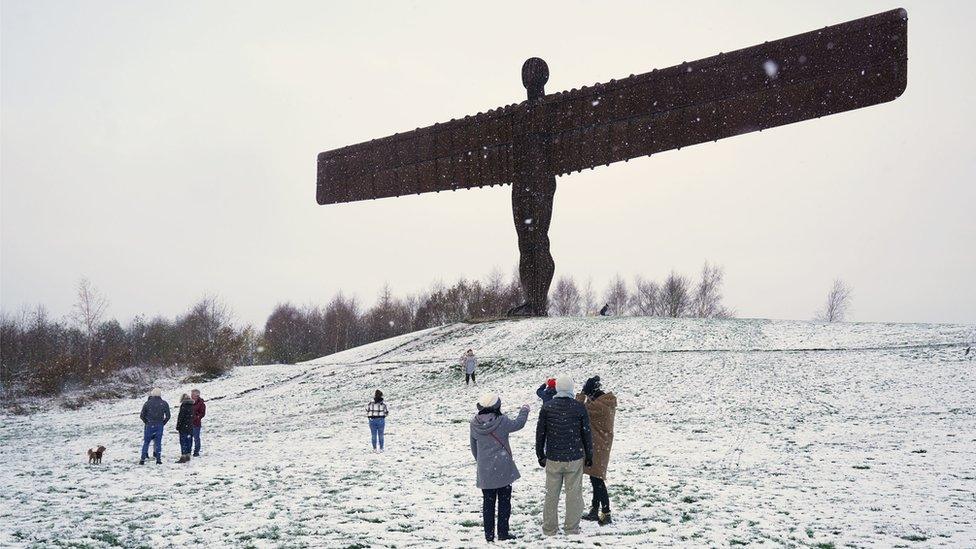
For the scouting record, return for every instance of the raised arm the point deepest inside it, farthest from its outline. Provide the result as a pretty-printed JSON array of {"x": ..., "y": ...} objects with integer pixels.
[{"x": 519, "y": 421}]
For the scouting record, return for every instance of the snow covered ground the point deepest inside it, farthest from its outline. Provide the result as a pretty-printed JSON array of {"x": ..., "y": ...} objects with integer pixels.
[{"x": 729, "y": 432}]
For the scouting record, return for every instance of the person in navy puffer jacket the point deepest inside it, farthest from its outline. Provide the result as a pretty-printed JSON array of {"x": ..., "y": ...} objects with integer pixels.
[{"x": 563, "y": 444}]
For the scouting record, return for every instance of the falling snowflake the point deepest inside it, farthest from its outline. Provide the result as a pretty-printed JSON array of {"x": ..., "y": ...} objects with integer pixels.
[
  {"x": 528, "y": 221},
  {"x": 595, "y": 102},
  {"x": 771, "y": 68}
]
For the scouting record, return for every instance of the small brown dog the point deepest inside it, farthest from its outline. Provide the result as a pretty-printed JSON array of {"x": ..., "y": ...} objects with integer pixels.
[{"x": 95, "y": 456}]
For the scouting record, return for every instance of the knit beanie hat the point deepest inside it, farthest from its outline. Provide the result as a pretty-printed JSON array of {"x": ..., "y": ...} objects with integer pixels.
[
  {"x": 551, "y": 383},
  {"x": 489, "y": 400},
  {"x": 156, "y": 392},
  {"x": 591, "y": 385},
  {"x": 564, "y": 384}
]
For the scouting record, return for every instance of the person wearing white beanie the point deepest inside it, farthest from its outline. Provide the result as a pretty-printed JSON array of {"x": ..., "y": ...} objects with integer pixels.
[{"x": 564, "y": 445}]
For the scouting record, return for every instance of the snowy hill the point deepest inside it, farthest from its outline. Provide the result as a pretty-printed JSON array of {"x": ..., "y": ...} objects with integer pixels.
[{"x": 728, "y": 432}]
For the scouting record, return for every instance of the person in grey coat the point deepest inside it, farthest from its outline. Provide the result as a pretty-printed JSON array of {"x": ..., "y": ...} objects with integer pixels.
[
  {"x": 470, "y": 365},
  {"x": 496, "y": 466}
]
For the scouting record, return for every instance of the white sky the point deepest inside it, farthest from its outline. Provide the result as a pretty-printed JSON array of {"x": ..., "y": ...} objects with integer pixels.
[{"x": 167, "y": 149}]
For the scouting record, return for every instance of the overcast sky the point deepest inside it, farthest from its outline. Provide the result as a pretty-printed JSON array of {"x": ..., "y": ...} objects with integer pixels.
[{"x": 167, "y": 149}]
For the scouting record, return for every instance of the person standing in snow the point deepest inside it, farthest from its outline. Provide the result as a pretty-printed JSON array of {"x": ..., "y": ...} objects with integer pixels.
[
  {"x": 470, "y": 365},
  {"x": 547, "y": 390},
  {"x": 496, "y": 467},
  {"x": 199, "y": 410},
  {"x": 564, "y": 445},
  {"x": 154, "y": 415},
  {"x": 377, "y": 411},
  {"x": 184, "y": 427},
  {"x": 601, "y": 407}
]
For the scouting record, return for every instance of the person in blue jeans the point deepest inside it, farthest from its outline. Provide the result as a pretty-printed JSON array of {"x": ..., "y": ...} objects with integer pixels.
[
  {"x": 154, "y": 415},
  {"x": 377, "y": 411},
  {"x": 199, "y": 410}
]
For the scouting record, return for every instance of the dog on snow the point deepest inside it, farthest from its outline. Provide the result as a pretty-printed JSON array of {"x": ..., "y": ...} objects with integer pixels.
[{"x": 95, "y": 456}]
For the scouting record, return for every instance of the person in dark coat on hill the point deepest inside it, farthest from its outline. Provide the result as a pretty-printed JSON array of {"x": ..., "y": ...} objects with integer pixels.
[
  {"x": 154, "y": 415},
  {"x": 199, "y": 410},
  {"x": 602, "y": 407},
  {"x": 496, "y": 466},
  {"x": 564, "y": 445},
  {"x": 184, "y": 427},
  {"x": 547, "y": 390}
]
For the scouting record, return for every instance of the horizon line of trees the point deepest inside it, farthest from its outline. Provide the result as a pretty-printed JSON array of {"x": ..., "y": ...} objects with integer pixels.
[{"x": 40, "y": 355}]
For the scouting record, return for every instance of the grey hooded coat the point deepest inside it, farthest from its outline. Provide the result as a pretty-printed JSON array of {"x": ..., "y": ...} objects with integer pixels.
[{"x": 490, "y": 448}]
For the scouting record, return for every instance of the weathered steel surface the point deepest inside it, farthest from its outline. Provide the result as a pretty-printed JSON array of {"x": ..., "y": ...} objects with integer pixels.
[{"x": 839, "y": 68}]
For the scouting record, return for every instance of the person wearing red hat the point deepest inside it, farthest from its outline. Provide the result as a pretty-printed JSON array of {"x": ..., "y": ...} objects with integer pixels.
[{"x": 547, "y": 390}]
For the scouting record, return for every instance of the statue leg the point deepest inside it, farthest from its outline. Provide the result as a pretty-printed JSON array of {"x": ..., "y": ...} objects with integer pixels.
[{"x": 532, "y": 209}]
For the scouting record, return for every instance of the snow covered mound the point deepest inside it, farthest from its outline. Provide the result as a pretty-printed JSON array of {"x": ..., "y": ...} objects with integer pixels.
[{"x": 728, "y": 432}]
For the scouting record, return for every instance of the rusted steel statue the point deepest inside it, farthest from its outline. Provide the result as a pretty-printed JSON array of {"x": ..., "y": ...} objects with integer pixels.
[{"x": 839, "y": 68}]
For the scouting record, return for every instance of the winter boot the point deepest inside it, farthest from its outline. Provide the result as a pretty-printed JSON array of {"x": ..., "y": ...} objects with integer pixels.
[
  {"x": 142, "y": 462},
  {"x": 605, "y": 519},
  {"x": 593, "y": 515},
  {"x": 159, "y": 460}
]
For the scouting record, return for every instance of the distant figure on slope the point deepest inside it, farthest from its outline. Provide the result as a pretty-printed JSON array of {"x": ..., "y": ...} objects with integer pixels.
[
  {"x": 496, "y": 467},
  {"x": 602, "y": 407},
  {"x": 564, "y": 446},
  {"x": 184, "y": 427},
  {"x": 605, "y": 310},
  {"x": 547, "y": 390},
  {"x": 470, "y": 365},
  {"x": 199, "y": 410},
  {"x": 154, "y": 415},
  {"x": 377, "y": 411}
]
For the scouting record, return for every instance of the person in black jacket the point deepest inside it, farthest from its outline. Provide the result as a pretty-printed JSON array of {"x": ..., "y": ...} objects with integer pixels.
[
  {"x": 155, "y": 414},
  {"x": 184, "y": 427},
  {"x": 563, "y": 444}
]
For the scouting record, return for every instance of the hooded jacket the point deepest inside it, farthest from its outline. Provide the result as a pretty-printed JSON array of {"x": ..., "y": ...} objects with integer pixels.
[
  {"x": 155, "y": 410},
  {"x": 469, "y": 362},
  {"x": 491, "y": 449},
  {"x": 602, "y": 411},
  {"x": 184, "y": 419}
]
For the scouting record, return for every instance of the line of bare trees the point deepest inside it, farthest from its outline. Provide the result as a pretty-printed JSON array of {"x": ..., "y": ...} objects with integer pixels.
[
  {"x": 41, "y": 355},
  {"x": 676, "y": 296}
]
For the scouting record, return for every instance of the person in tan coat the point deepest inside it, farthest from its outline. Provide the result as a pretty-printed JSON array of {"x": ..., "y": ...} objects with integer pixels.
[{"x": 602, "y": 408}]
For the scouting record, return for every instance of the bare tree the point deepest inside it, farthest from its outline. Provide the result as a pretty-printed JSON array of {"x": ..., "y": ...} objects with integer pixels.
[
  {"x": 588, "y": 298},
  {"x": 838, "y": 302},
  {"x": 87, "y": 314},
  {"x": 565, "y": 300},
  {"x": 645, "y": 300},
  {"x": 617, "y": 296},
  {"x": 707, "y": 302},
  {"x": 675, "y": 300}
]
